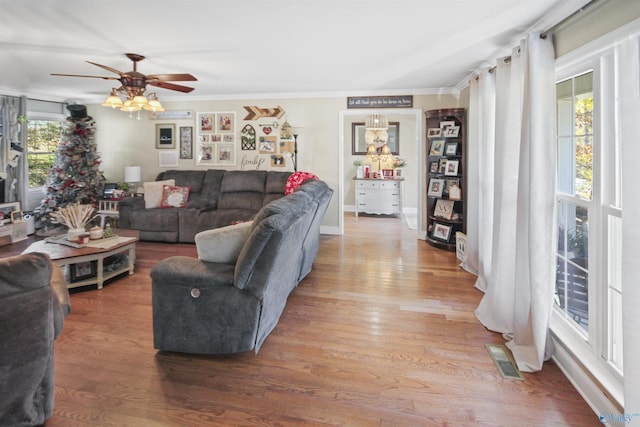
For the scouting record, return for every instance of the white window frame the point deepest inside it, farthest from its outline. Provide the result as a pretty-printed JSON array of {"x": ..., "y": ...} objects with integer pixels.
[
  {"x": 582, "y": 356},
  {"x": 36, "y": 194}
]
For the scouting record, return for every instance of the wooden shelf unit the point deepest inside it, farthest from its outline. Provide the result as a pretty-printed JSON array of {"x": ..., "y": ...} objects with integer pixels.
[{"x": 446, "y": 165}]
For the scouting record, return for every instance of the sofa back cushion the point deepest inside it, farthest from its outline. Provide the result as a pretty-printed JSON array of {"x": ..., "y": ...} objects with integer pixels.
[
  {"x": 185, "y": 178},
  {"x": 242, "y": 190},
  {"x": 210, "y": 192},
  {"x": 275, "y": 186}
]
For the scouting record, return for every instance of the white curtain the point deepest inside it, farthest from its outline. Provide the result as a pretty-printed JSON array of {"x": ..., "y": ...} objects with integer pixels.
[
  {"x": 516, "y": 259},
  {"x": 479, "y": 159}
]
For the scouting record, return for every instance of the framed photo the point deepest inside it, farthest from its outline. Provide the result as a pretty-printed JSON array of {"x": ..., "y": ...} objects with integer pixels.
[
  {"x": 437, "y": 147},
  {"x": 455, "y": 192},
  {"x": 267, "y": 144},
  {"x": 17, "y": 217},
  {"x": 215, "y": 141},
  {"x": 83, "y": 270},
  {"x": 226, "y": 122},
  {"x": 446, "y": 124},
  {"x": 434, "y": 132},
  {"x": 444, "y": 209},
  {"x": 451, "y": 149},
  {"x": 441, "y": 231},
  {"x": 226, "y": 154},
  {"x": 451, "y": 168},
  {"x": 436, "y": 186},
  {"x": 451, "y": 132},
  {"x": 165, "y": 136},
  {"x": 359, "y": 144},
  {"x": 442, "y": 165},
  {"x": 186, "y": 142},
  {"x": 6, "y": 209},
  {"x": 277, "y": 160},
  {"x": 448, "y": 183},
  {"x": 433, "y": 167}
]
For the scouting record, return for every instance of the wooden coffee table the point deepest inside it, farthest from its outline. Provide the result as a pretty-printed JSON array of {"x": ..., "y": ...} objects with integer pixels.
[{"x": 86, "y": 264}]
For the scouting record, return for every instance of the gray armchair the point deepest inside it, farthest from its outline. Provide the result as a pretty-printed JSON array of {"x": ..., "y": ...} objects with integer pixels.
[{"x": 33, "y": 304}]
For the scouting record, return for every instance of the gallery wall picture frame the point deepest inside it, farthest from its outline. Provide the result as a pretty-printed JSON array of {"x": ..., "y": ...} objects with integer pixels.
[
  {"x": 165, "y": 136},
  {"x": 186, "y": 142},
  {"x": 359, "y": 144},
  {"x": 441, "y": 231},
  {"x": 215, "y": 141},
  {"x": 168, "y": 159}
]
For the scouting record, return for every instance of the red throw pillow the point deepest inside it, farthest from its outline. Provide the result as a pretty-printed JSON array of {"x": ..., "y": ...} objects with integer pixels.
[
  {"x": 174, "y": 197},
  {"x": 295, "y": 180}
]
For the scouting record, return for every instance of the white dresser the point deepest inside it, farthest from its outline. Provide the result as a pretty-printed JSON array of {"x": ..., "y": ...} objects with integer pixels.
[{"x": 379, "y": 196}]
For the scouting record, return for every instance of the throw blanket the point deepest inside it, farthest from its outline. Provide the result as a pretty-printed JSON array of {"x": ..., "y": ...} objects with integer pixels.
[{"x": 296, "y": 179}]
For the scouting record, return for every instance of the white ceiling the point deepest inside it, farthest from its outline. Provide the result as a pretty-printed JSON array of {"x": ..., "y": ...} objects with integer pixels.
[{"x": 259, "y": 48}]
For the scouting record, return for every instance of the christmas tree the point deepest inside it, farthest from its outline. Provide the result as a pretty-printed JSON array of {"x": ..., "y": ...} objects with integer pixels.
[{"x": 75, "y": 176}]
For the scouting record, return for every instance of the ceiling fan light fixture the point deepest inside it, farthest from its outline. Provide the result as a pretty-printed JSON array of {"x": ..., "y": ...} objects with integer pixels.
[
  {"x": 140, "y": 101},
  {"x": 113, "y": 100},
  {"x": 153, "y": 104},
  {"x": 130, "y": 106}
]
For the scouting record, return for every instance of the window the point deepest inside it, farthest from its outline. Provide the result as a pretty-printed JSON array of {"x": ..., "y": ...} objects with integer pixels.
[
  {"x": 588, "y": 299},
  {"x": 42, "y": 139},
  {"x": 574, "y": 106}
]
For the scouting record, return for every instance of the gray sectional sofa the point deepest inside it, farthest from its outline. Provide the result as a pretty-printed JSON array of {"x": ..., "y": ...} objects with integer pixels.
[
  {"x": 217, "y": 198},
  {"x": 231, "y": 297}
]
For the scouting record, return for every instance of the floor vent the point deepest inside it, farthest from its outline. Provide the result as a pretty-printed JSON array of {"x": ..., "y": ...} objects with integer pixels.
[{"x": 502, "y": 358}]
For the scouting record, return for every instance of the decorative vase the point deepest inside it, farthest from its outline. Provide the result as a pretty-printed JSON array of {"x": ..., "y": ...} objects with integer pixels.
[{"x": 73, "y": 233}]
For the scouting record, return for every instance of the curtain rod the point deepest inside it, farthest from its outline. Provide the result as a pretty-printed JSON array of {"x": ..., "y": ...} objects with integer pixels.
[{"x": 554, "y": 27}]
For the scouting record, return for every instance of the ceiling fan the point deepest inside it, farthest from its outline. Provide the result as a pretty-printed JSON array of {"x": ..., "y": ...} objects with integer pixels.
[{"x": 134, "y": 84}]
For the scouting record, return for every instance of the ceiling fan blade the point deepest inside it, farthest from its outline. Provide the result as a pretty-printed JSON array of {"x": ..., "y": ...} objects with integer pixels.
[
  {"x": 183, "y": 77},
  {"x": 113, "y": 70},
  {"x": 171, "y": 86},
  {"x": 80, "y": 75}
]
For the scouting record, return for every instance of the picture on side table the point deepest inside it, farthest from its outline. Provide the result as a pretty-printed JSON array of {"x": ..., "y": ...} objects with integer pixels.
[
  {"x": 6, "y": 209},
  {"x": 83, "y": 270}
]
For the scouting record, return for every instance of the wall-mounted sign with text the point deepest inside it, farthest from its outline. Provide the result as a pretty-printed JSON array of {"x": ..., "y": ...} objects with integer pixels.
[{"x": 401, "y": 101}]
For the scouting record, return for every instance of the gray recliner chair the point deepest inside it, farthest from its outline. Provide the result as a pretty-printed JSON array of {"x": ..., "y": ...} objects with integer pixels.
[{"x": 33, "y": 304}]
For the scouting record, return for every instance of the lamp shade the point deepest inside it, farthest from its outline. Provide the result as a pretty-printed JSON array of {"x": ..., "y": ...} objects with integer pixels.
[{"x": 132, "y": 174}]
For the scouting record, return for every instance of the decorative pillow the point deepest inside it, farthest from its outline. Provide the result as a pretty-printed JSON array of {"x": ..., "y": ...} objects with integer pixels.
[
  {"x": 222, "y": 244},
  {"x": 174, "y": 197},
  {"x": 295, "y": 180},
  {"x": 153, "y": 192}
]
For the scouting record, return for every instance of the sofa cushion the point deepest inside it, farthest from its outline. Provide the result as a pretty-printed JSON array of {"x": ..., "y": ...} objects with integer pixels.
[
  {"x": 296, "y": 179},
  {"x": 174, "y": 196},
  {"x": 222, "y": 244},
  {"x": 153, "y": 192},
  {"x": 240, "y": 181}
]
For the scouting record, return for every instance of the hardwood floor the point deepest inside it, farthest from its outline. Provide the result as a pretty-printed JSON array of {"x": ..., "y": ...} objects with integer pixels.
[{"x": 381, "y": 333}]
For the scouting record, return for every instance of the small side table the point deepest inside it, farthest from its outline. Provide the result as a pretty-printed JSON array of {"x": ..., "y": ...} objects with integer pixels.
[{"x": 107, "y": 208}]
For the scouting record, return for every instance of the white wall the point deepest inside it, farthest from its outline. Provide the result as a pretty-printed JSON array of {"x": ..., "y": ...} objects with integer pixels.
[{"x": 123, "y": 141}]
